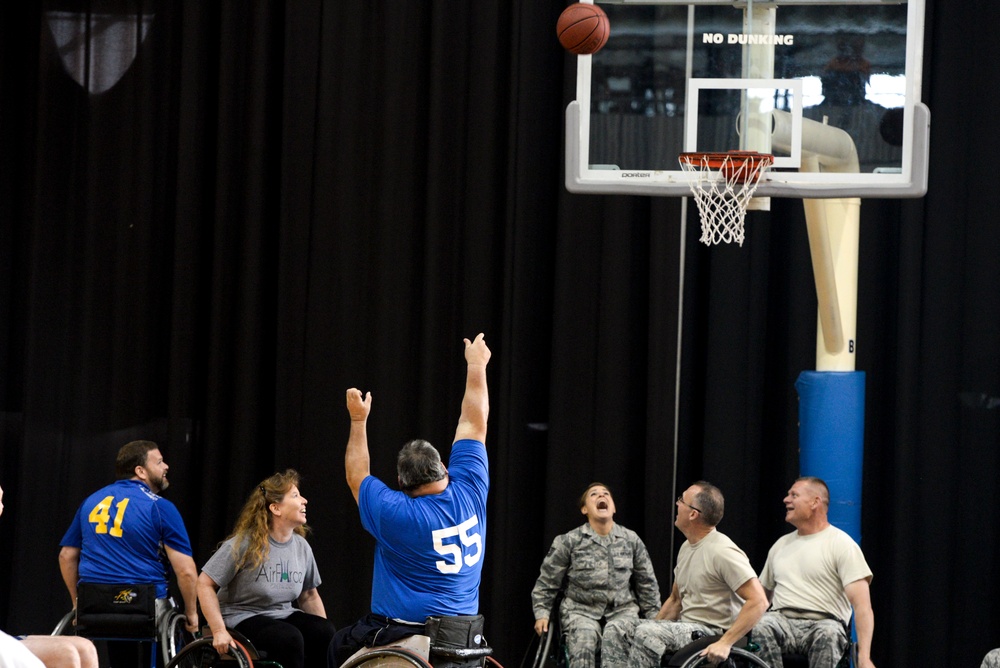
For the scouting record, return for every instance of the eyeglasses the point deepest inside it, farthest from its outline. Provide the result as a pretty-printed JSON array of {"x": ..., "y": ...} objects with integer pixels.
[{"x": 680, "y": 499}]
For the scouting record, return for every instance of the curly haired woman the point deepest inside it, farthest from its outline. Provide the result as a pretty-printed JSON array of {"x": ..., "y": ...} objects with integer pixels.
[{"x": 265, "y": 566}]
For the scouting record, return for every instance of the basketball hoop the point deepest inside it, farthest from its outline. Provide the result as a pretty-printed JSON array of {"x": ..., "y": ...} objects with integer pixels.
[{"x": 722, "y": 186}]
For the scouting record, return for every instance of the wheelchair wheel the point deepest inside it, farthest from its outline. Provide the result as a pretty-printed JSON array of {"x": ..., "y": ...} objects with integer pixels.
[
  {"x": 201, "y": 654},
  {"x": 65, "y": 625},
  {"x": 173, "y": 636},
  {"x": 738, "y": 658},
  {"x": 548, "y": 652},
  {"x": 387, "y": 657}
]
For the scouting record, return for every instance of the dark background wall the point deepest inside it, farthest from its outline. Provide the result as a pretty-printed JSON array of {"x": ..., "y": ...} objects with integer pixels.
[{"x": 278, "y": 201}]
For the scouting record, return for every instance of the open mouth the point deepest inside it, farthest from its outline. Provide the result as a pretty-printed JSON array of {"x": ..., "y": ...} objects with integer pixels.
[{"x": 602, "y": 505}]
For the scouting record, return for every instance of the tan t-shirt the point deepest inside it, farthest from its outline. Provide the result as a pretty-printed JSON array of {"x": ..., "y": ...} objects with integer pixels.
[
  {"x": 810, "y": 572},
  {"x": 708, "y": 574}
]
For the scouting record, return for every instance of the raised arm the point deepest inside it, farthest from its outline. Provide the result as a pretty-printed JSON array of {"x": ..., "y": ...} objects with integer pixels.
[
  {"x": 357, "y": 461},
  {"x": 476, "y": 402}
]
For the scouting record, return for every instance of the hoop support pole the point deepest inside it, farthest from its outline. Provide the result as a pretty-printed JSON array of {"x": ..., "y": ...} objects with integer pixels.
[
  {"x": 830, "y": 337},
  {"x": 833, "y": 226}
]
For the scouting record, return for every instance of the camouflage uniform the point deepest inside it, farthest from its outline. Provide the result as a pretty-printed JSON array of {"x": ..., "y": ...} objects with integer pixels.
[
  {"x": 636, "y": 643},
  {"x": 991, "y": 660},
  {"x": 606, "y": 577},
  {"x": 824, "y": 641}
]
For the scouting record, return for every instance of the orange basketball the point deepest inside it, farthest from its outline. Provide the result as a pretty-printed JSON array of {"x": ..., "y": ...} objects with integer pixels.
[{"x": 583, "y": 28}]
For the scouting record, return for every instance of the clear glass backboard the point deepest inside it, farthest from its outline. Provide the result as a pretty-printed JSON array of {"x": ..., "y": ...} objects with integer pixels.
[{"x": 830, "y": 88}]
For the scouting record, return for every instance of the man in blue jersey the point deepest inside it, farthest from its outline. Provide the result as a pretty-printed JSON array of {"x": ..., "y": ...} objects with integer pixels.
[
  {"x": 431, "y": 535},
  {"x": 121, "y": 533}
]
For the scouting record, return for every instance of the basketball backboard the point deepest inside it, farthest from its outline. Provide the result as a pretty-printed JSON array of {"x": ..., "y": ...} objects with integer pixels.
[{"x": 831, "y": 88}]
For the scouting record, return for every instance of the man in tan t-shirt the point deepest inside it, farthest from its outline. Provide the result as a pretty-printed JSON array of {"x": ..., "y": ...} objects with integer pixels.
[
  {"x": 813, "y": 576},
  {"x": 715, "y": 592}
]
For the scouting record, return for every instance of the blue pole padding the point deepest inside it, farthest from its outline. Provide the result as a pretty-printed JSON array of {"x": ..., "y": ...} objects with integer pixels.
[{"x": 831, "y": 439}]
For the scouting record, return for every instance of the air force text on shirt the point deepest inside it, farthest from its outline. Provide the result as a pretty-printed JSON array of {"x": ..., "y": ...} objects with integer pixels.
[{"x": 278, "y": 572}]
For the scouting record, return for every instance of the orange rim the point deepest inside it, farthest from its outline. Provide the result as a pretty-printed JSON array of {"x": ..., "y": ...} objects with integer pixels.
[{"x": 728, "y": 159}]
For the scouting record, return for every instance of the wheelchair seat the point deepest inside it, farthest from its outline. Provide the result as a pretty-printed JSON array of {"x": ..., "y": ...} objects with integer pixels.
[{"x": 127, "y": 613}]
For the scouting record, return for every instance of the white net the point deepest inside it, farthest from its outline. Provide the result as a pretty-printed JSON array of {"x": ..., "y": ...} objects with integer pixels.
[{"x": 722, "y": 186}]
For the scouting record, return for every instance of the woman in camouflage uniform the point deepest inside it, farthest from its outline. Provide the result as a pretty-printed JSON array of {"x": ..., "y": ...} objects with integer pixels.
[{"x": 605, "y": 573}]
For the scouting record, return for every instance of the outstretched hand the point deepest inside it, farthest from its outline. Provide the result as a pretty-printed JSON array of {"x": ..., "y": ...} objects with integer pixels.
[
  {"x": 357, "y": 408},
  {"x": 476, "y": 351}
]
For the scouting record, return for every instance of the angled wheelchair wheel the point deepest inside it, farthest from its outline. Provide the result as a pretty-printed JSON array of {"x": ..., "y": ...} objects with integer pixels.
[
  {"x": 549, "y": 650},
  {"x": 241, "y": 655},
  {"x": 738, "y": 658},
  {"x": 173, "y": 637},
  {"x": 387, "y": 657},
  {"x": 65, "y": 625},
  {"x": 197, "y": 654},
  {"x": 201, "y": 654}
]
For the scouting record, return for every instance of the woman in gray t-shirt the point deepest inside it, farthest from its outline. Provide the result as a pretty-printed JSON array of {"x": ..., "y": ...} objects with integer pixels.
[{"x": 262, "y": 580}]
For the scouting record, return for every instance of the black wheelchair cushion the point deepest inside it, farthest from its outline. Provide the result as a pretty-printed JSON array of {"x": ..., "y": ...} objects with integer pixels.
[{"x": 116, "y": 610}]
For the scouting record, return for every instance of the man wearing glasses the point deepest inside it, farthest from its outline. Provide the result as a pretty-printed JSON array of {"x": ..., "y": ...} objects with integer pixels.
[{"x": 715, "y": 592}]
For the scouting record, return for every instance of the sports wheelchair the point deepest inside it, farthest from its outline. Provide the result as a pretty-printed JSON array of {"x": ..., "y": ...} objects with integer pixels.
[
  {"x": 448, "y": 642},
  {"x": 127, "y": 613},
  {"x": 201, "y": 654},
  {"x": 741, "y": 655}
]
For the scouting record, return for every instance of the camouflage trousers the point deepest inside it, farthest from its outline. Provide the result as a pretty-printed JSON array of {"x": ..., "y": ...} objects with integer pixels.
[
  {"x": 991, "y": 660},
  {"x": 642, "y": 643},
  {"x": 823, "y": 641},
  {"x": 583, "y": 632}
]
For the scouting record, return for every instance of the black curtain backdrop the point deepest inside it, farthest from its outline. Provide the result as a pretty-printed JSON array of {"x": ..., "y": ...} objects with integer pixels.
[{"x": 279, "y": 200}]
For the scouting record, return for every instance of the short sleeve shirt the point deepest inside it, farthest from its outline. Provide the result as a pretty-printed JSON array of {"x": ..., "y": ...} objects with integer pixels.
[
  {"x": 810, "y": 572},
  {"x": 707, "y": 574},
  {"x": 268, "y": 589},
  {"x": 429, "y": 551},
  {"x": 120, "y": 529}
]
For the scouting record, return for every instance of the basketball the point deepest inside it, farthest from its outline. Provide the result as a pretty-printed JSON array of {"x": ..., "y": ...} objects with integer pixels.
[{"x": 583, "y": 28}]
